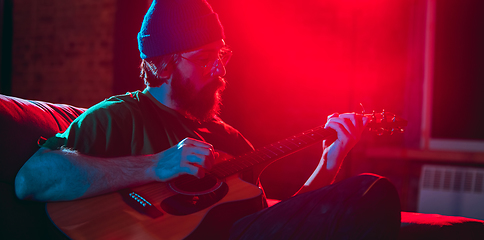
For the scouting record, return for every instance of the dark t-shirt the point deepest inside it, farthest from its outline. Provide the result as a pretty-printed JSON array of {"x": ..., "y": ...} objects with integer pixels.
[{"x": 137, "y": 124}]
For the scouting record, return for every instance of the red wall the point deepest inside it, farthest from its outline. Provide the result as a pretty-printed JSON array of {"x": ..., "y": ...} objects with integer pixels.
[{"x": 296, "y": 62}]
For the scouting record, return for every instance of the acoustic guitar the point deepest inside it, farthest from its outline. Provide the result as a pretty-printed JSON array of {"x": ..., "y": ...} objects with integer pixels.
[{"x": 186, "y": 207}]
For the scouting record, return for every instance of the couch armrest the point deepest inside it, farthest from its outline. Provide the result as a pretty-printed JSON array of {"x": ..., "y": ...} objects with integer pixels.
[{"x": 22, "y": 122}]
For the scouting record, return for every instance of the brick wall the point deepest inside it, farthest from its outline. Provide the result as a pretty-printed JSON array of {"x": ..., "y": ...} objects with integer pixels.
[{"x": 63, "y": 50}]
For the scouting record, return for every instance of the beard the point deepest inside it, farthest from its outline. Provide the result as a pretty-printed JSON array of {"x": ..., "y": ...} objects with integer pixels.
[{"x": 200, "y": 106}]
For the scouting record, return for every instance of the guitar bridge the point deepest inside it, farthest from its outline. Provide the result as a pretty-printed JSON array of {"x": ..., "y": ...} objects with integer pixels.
[{"x": 139, "y": 203}]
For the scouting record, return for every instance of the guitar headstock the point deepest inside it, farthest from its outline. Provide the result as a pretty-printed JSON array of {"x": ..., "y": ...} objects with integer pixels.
[{"x": 385, "y": 123}]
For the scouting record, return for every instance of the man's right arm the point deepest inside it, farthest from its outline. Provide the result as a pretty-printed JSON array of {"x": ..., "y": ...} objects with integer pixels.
[{"x": 60, "y": 175}]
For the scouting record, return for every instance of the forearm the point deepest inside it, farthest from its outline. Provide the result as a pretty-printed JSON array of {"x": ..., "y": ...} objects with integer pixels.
[
  {"x": 323, "y": 175},
  {"x": 58, "y": 175}
]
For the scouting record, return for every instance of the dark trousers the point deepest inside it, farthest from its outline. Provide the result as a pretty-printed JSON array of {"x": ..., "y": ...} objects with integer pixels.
[{"x": 362, "y": 207}]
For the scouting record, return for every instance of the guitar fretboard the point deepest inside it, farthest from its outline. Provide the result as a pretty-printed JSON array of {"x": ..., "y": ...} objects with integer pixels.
[{"x": 272, "y": 152}]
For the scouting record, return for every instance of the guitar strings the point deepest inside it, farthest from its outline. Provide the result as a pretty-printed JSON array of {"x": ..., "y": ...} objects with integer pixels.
[{"x": 235, "y": 165}]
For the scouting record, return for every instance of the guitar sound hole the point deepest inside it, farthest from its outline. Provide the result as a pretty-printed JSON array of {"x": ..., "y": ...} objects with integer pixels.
[
  {"x": 193, "y": 195},
  {"x": 190, "y": 185}
]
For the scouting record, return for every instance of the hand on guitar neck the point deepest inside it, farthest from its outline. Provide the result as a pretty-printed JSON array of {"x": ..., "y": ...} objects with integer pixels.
[{"x": 348, "y": 127}]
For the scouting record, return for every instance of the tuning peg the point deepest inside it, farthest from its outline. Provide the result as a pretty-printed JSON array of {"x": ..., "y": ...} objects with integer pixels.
[
  {"x": 385, "y": 123},
  {"x": 383, "y": 116},
  {"x": 363, "y": 111}
]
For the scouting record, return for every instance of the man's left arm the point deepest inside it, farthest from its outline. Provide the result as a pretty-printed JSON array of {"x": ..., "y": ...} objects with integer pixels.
[{"x": 349, "y": 127}]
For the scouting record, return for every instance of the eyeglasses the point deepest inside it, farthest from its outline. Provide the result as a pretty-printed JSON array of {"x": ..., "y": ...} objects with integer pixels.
[{"x": 209, "y": 65}]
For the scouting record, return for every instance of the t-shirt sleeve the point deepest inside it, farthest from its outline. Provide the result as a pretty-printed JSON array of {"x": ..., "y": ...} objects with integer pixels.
[{"x": 93, "y": 133}]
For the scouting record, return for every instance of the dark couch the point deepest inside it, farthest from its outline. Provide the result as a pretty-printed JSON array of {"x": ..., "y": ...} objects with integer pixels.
[{"x": 23, "y": 122}]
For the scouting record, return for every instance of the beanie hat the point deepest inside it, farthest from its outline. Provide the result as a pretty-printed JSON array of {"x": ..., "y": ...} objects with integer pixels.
[{"x": 172, "y": 26}]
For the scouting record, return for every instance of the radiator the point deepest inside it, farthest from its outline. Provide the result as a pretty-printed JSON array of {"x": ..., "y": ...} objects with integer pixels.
[{"x": 450, "y": 190}]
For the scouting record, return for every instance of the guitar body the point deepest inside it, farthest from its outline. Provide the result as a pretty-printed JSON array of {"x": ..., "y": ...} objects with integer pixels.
[{"x": 109, "y": 216}]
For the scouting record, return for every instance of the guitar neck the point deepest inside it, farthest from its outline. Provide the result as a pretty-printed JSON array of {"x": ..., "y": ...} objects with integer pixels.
[
  {"x": 272, "y": 152},
  {"x": 384, "y": 123}
]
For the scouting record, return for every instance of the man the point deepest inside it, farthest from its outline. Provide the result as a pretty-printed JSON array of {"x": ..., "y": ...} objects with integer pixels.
[{"x": 172, "y": 128}]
